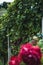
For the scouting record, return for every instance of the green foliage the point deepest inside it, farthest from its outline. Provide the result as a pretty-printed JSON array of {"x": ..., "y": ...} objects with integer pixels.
[{"x": 22, "y": 20}]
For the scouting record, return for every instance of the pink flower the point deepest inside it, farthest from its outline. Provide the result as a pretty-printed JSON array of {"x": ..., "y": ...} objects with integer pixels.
[
  {"x": 30, "y": 54},
  {"x": 14, "y": 60},
  {"x": 38, "y": 50}
]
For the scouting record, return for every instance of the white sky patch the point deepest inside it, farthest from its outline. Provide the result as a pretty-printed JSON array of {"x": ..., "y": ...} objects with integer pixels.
[{"x": 1, "y": 1}]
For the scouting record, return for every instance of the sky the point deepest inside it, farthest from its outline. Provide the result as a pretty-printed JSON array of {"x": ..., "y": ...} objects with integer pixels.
[{"x": 1, "y": 1}]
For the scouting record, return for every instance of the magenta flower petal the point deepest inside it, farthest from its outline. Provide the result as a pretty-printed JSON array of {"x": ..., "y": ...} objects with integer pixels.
[
  {"x": 30, "y": 55},
  {"x": 14, "y": 60}
]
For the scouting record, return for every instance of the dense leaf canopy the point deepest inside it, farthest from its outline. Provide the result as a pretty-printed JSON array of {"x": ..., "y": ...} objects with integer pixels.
[{"x": 22, "y": 20}]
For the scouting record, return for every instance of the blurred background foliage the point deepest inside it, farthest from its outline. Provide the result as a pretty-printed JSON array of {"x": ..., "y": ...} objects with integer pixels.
[{"x": 21, "y": 21}]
